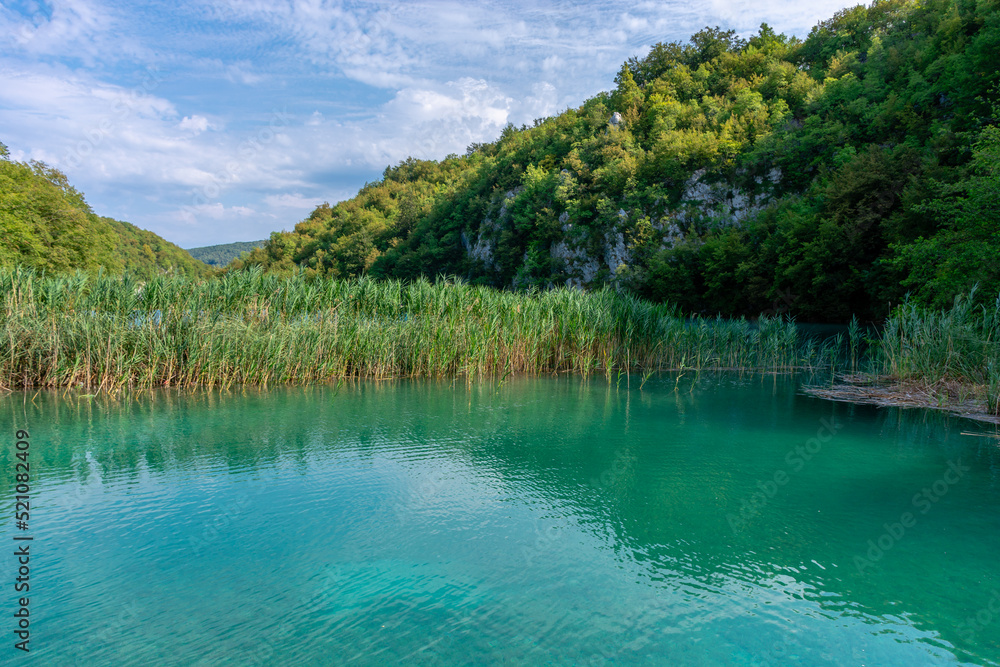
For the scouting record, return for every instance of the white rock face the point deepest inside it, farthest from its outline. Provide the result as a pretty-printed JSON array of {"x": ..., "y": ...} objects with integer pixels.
[
  {"x": 718, "y": 203},
  {"x": 482, "y": 249},
  {"x": 615, "y": 252},
  {"x": 615, "y": 120},
  {"x": 579, "y": 264},
  {"x": 507, "y": 200},
  {"x": 670, "y": 232},
  {"x": 673, "y": 236},
  {"x": 719, "y": 200}
]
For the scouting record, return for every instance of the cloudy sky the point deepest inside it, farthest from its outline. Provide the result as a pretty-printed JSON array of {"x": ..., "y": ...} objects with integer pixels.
[{"x": 211, "y": 122}]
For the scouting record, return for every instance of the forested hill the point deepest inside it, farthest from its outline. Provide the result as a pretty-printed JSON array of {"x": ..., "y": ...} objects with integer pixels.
[
  {"x": 47, "y": 225},
  {"x": 220, "y": 255},
  {"x": 823, "y": 178}
]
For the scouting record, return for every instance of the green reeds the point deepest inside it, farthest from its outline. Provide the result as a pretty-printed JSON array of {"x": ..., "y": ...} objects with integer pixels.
[
  {"x": 104, "y": 332},
  {"x": 935, "y": 348},
  {"x": 112, "y": 332}
]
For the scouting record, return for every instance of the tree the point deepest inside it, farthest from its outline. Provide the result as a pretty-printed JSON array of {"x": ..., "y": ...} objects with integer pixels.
[
  {"x": 662, "y": 58},
  {"x": 963, "y": 253},
  {"x": 710, "y": 43}
]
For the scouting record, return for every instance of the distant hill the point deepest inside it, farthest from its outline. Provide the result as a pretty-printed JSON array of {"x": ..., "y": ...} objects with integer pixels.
[
  {"x": 220, "y": 255},
  {"x": 46, "y": 224}
]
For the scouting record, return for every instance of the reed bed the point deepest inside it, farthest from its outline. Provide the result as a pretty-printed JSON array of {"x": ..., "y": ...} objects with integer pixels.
[
  {"x": 109, "y": 333},
  {"x": 953, "y": 354}
]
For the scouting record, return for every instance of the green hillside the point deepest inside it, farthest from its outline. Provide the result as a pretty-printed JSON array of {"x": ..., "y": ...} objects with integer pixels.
[
  {"x": 46, "y": 224},
  {"x": 220, "y": 255},
  {"x": 822, "y": 178}
]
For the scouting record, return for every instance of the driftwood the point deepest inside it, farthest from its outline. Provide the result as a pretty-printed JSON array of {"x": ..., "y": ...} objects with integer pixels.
[{"x": 885, "y": 393}]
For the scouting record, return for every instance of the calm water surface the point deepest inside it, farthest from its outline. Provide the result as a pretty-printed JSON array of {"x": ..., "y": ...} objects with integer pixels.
[{"x": 547, "y": 521}]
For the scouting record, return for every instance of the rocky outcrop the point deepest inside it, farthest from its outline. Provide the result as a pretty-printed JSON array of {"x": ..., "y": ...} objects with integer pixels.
[
  {"x": 671, "y": 233},
  {"x": 718, "y": 202},
  {"x": 586, "y": 253},
  {"x": 581, "y": 267},
  {"x": 483, "y": 247}
]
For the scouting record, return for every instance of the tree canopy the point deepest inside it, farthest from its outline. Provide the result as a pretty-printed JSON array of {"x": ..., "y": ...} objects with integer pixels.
[
  {"x": 822, "y": 177},
  {"x": 46, "y": 224}
]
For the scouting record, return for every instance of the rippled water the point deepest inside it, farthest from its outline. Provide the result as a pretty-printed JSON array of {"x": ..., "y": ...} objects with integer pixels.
[{"x": 547, "y": 521}]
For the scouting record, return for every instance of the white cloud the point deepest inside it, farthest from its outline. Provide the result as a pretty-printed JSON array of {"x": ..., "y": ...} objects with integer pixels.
[
  {"x": 195, "y": 124},
  {"x": 552, "y": 63},
  {"x": 447, "y": 74},
  {"x": 543, "y": 101},
  {"x": 87, "y": 31},
  {"x": 69, "y": 24},
  {"x": 466, "y": 98},
  {"x": 634, "y": 23},
  {"x": 356, "y": 40},
  {"x": 242, "y": 72},
  {"x": 746, "y": 16},
  {"x": 186, "y": 175},
  {"x": 294, "y": 201}
]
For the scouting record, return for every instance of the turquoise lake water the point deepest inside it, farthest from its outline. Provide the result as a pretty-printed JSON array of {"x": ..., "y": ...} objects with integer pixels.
[{"x": 553, "y": 521}]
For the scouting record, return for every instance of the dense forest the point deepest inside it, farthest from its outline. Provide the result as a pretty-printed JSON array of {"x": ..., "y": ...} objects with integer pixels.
[
  {"x": 48, "y": 225},
  {"x": 220, "y": 255},
  {"x": 822, "y": 178}
]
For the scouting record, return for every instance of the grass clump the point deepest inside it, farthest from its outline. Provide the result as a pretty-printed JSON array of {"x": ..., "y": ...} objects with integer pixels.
[
  {"x": 113, "y": 332},
  {"x": 953, "y": 353}
]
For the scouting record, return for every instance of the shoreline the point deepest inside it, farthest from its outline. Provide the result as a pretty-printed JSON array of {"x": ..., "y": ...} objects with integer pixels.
[{"x": 954, "y": 398}]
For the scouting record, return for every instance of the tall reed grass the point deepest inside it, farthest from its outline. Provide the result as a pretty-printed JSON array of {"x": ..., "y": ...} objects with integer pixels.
[
  {"x": 112, "y": 332},
  {"x": 960, "y": 345}
]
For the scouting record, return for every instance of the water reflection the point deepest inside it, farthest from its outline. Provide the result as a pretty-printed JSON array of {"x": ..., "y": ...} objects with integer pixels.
[{"x": 545, "y": 520}]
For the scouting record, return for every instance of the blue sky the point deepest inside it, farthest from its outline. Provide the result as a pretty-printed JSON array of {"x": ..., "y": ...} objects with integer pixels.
[{"x": 211, "y": 122}]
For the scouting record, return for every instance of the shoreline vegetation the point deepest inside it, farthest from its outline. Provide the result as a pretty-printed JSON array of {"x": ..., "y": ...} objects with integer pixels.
[
  {"x": 112, "y": 333},
  {"x": 952, "y": 397},
  {"x": 947, "y": 359},
  {"x": 821, "y": 179}
]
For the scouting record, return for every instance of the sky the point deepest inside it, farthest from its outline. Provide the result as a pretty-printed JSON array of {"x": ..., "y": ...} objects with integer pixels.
[{"x": 213, "y": 122}]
